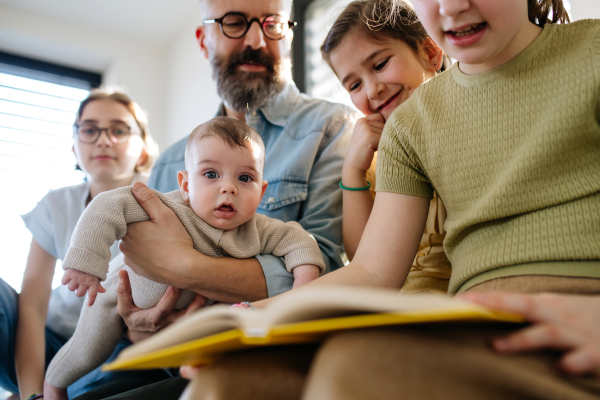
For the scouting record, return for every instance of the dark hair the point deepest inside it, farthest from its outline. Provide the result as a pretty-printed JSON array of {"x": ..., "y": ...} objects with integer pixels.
[
  {"x": 138, "y": 114},
  {"x": 540, "y": 10},
  {"x": 377, "y": 21},
  {"x": 232, "y": 131}
]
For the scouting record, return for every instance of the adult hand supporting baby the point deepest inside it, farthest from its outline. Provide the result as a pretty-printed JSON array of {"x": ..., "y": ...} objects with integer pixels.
[
  {"x": 142, "y": 323},
  {"x": 162, "y": 250},
  {"x": 157, "y": 249},
  {"x": 562, "y": 322}
]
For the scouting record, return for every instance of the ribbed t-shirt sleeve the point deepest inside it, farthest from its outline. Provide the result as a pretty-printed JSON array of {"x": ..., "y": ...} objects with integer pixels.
[
  {"x": 596, "y": 54},
  {"x": 40, "y": 222},
  {"x": 398, "y": 167}
]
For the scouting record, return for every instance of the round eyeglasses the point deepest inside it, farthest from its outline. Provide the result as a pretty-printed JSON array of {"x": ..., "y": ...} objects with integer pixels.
[
  {"x": 235, "y": 25},
  {"x": 89, "y": 133}
]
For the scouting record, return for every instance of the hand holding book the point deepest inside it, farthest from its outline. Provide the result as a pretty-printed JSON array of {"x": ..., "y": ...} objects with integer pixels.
[{"x": 304, "y": 315}]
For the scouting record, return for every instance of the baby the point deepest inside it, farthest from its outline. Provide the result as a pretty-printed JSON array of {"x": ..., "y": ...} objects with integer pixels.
[{"x": 217, "y": 201}]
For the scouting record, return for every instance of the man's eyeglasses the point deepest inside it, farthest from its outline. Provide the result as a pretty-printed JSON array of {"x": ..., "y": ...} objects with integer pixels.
[
  {"x": 89, "y": 133},
  {"x": 235, "y": 25}
]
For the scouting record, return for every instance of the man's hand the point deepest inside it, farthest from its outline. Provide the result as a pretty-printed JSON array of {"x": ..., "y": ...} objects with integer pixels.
[
  {"x": 142, "y": 323},
  {"x": 304, "y": 274},
  {"x": 157, "y": 249},
  {"x": 80, "y": 283},
  {"x": 561, "y": 322}
]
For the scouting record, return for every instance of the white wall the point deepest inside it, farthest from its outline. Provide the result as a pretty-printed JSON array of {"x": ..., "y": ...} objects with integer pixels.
[
  {"x": 584, "y": 9},
  {"x": 137, "y": 66},
  {"x": 191, "y": 96}
]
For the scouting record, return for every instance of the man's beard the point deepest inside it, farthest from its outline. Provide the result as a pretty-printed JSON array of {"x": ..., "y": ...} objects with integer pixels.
[{"x": 248, "y": 91}]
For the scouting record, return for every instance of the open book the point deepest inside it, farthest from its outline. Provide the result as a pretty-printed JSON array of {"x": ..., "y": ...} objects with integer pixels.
[{"x": 300, "y": 316}]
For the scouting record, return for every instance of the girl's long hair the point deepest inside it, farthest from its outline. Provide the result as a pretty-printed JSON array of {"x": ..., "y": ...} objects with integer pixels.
[
  {"x": 378, "y": 21},
  {"x": 542, "y": 12}
]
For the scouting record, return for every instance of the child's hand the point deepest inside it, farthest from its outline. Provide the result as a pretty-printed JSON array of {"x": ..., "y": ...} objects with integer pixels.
[
  {"x": 363, "y": 145},
  {"x": 80, "y": 283},
  {"x": 304, "y": 274},
  {"x": 54, "y": 393},
  {"x": 567, "y": 323}
]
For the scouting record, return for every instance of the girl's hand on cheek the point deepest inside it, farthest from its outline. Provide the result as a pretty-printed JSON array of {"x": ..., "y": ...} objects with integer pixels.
[{"x": 363, "y": 146}]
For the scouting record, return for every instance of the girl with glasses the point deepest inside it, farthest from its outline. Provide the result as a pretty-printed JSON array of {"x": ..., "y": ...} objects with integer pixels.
[{"x": 114, "y": 149}]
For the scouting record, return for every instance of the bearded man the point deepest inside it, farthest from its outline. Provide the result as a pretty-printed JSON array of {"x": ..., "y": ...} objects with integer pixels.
[{"x": 248, "y": 44}]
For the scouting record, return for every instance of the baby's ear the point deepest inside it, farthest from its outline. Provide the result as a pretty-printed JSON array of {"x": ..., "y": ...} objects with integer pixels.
[
  {"x": 264, "y": 188},
  {"x": 182, "y": 178}
]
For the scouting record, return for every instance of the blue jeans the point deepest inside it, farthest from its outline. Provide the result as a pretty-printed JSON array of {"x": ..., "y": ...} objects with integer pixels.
[{"x": 8, "y": 326}]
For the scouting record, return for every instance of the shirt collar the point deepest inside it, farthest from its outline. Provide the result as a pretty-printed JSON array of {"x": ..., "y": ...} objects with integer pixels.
[{"x": 278, "y": 110}]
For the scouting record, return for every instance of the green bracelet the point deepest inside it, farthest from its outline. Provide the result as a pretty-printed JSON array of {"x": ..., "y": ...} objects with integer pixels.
[
  {"x": 36, "y": 396},
  {"x": 356, "y": 189}
]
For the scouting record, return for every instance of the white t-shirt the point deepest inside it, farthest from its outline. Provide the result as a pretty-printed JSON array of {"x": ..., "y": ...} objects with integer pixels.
[{"x": 51, "y": 223}]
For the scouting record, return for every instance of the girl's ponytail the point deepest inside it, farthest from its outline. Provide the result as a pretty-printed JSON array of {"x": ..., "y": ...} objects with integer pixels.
[{"x": 542, "y": 12}]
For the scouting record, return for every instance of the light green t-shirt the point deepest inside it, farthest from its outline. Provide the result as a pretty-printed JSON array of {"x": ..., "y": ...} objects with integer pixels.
[{"x": 514, "y": 154}]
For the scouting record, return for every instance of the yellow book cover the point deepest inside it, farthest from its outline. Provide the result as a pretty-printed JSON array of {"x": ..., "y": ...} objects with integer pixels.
[{"x": 300, "y": 316}]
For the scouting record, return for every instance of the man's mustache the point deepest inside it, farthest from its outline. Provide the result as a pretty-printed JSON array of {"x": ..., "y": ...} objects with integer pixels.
[{"x": 251, "y": 56}]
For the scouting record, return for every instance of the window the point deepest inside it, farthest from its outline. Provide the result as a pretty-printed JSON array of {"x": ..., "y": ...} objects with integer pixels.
[
  {"x": 38, "y": 103},
  {"x": 311, "y": 73},
  {"x": 320, "y": 80}
]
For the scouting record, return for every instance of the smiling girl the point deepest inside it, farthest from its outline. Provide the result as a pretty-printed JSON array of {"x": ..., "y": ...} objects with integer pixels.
[
  {"x": 113, "y": 148},
  {"x": 514, "y": 160},
  {"x": 380, "y": 61}
]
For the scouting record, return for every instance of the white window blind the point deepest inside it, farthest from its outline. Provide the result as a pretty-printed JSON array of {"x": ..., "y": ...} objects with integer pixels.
[{"x": 36, "y": 130}]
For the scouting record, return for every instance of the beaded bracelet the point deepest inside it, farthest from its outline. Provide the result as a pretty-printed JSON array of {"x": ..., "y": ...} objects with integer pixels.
[
  {"x": 356, "y": 189},
  {"x": 36, "y": 396},
  {"x": 243, "y": 304}
]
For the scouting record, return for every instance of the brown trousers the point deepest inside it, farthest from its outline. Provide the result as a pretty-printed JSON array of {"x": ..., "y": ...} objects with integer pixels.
[
  {"x": 409, "y": 362},
  {"x": 413, "y": 363}
]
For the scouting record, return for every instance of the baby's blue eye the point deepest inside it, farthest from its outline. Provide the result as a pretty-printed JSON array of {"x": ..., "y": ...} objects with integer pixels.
[
  {"x": 211, "y": 175},
  {"x": 245, "y": 178}
]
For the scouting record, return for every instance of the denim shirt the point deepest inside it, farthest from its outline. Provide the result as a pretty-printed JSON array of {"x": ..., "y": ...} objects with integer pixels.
[{"x": 306, "y": 141}]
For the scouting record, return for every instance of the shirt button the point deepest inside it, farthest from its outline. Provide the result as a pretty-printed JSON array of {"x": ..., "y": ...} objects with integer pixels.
[{"x": 271, "y": 200}]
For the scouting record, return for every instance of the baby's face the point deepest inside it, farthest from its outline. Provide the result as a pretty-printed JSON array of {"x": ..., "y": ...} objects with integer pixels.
[{"x": 223, "y": 185}]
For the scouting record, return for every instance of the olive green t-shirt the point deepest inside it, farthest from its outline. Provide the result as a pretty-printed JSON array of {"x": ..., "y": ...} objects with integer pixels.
[{"x": 514, "y": 154}]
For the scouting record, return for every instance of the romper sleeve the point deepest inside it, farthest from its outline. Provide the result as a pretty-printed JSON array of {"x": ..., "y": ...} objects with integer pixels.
[
  {"x": 290, "y": 241},
  {"x": 102, "y": 223}
]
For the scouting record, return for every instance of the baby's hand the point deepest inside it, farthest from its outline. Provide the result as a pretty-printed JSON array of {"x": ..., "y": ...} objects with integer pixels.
[
  {"x": 364, "y": 144},
  {"x": 80, "y": 283},
  {"x": 304, "y": 274},
  {"x": 54, "y": 393}
]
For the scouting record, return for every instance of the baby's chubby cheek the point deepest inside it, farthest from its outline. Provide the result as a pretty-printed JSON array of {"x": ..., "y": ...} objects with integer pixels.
[{"x": 198, "y": 204}]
